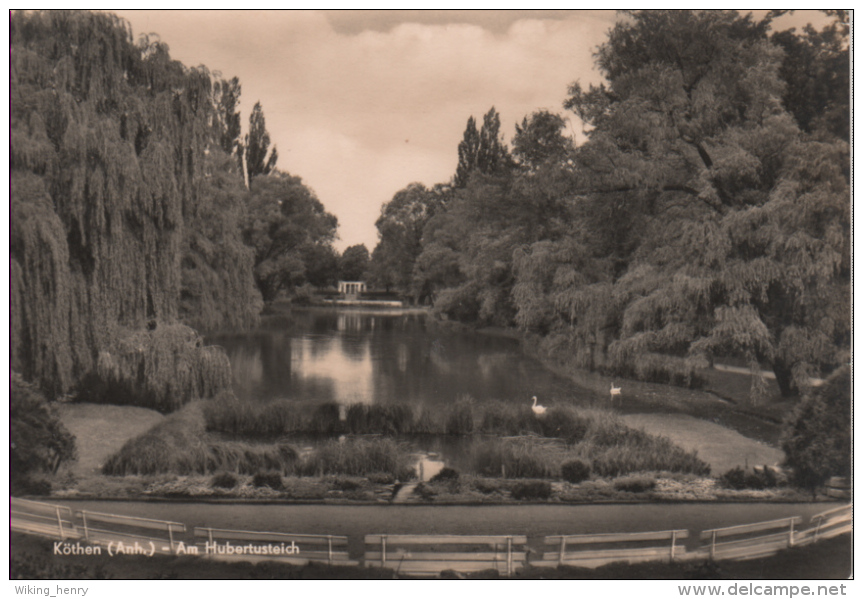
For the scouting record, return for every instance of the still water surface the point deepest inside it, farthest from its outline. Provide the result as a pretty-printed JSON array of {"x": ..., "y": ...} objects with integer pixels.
[{"x": 354, "y": 356}]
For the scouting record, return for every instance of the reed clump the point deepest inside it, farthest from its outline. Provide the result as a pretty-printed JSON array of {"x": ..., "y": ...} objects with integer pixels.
[
  {"x": 360, "y": 457},
  {"x": 180, "y": 445},
  {"x": 518, "y": 458}
]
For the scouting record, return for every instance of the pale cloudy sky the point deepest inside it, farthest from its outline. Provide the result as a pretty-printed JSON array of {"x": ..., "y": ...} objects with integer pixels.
[{"x": 362, "y": 103}]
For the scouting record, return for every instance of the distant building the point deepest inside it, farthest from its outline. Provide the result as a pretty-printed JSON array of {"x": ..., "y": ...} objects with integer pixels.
[{"x": 352, "y": 288}]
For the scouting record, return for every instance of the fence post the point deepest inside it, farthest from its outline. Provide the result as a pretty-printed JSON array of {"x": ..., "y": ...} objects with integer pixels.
[
  {"x": 562, "y": 550},
  {"x": 59, "y": 522},
  {"x": 818, "y": 529},
  {"x": 673, "y": 541},
  {"x": 210, "y": 535},
  {"x": 330, "y": 549},
  {"x": 383, "y": 551},
  {"x": 86, "y": 530},
  {"x": 791, "y": 533},
  {"x": 509, "y": 556},
  {"x": 713, "y": 546}
]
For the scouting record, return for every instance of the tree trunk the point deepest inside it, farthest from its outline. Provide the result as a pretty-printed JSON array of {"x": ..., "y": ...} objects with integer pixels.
[{"x": 784, "y": 379}]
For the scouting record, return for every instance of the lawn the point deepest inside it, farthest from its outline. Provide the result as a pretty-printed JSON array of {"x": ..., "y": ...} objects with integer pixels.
[
  {"x": 101, "y": 430},
  {"x": 717, "y": 445}
]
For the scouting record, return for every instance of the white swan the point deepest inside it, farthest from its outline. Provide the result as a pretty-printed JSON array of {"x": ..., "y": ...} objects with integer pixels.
[
  {"x": 538, "y": 410},
  {"x": 614, "y": 391}
]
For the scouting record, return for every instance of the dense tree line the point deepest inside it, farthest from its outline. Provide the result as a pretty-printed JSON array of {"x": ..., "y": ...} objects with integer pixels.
[
  {"x": 707, "y": 214},
  {"x": 138, "y": 214}
]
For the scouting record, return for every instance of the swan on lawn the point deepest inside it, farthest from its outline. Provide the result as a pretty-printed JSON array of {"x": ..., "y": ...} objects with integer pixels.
[
  {"x": 538, "y": 410},
  {"x": 614, "y": 391}
]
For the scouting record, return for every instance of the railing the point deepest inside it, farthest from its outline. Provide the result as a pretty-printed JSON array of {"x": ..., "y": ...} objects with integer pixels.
[
  {"x": 738, "y": 542},
  {"x": 826, "y": 525},
  {"x": 432, "y": 554},
  {"x": 590, "y": 551},
  {"x": 427, "y": 554},
  {"x": 127, "y": 531},
  {"x": 33, "y": 517},
  {"x": 293, "y": 548},
  {"x": 838, "y": 487}
]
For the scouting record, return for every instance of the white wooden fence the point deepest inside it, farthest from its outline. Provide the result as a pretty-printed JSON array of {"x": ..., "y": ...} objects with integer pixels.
[
  {"x": 125, "y": 531},
  {"x": 297, "y": 549},
  {"x": 432, "y": 554},
  {"x": 44, "y": 519},
  {"x": 590, "y": 551},
  {"x": 748, "y": 541},
  {"x": 826, "y": 525}
]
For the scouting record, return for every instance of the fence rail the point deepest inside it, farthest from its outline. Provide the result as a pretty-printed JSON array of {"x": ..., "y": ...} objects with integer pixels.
[
  {"x": 44, "y": 519},
  {"x": 292, "y": 548},
  {"x": 104, "y": 529},
  {"x": 827, "y": 525},
  {"x": 592, "y": 550},
  {"x": 738, "y": 542},
  {"x": 431, "y": 554}
]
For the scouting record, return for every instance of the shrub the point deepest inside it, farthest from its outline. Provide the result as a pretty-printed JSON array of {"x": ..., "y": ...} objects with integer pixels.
[
  {"x": 425, "y": 491},
  {"x": 532, "y": 489},
  {"x": 38, "y": 441},
  {"x": 575, "y": 471},
  {"x": 817, "y": 436},
  {"x": 224, "y": 480},
  {"x": 487, "y": 486},
  {"x": 565, "y": 422},
  {"x": 272, "y": 480},
  {"x": 347, "y": 484},
  {"x": 737, "y": 478},
  {"x": 635, "y": 484},
  {"x": 381, "y": 478},
  {"x": 445, "y": 474}
]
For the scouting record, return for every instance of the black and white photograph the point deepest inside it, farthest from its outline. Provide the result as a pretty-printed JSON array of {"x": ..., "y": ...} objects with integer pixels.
[{"x": 430, "y": 294}]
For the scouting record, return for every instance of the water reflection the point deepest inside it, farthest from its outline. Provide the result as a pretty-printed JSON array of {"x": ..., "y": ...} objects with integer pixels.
[{"x": 350, "y": 356}]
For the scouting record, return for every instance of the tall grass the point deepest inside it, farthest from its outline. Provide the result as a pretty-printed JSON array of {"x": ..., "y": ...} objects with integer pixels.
[
  {"x": 518, "y": 458},
  {"x": 183, "y": 443},
  {"x": 360, "y": 457}
]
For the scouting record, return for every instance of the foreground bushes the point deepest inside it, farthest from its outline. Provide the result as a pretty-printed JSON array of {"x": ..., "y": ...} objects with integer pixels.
[
  {"x": 464, "y": 417},
  {"x": 566, "y": 443}
]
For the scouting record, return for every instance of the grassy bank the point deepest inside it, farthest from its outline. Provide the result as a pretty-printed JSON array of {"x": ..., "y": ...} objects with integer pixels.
[{"x": 181, "y": 445}]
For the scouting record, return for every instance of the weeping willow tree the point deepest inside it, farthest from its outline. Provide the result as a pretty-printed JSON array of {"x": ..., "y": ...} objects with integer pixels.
[
  {"x": 740, "y": 220},
  {"x": 109, "y": 176}
]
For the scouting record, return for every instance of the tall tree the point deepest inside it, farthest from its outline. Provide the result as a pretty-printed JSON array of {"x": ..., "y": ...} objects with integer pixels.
[
  {"x": 816, "y": 69},
  {"x": 400, "y": 228},
  {"x": 226, "y": 117},
  {"x": 540, "y": 140},
  {"x": 284, "y": 222},
  {"x": 257, "y": 143},
  {"x": 743, "y": 224},
  {"x": 492, "y": 156},
  {"x": 468, "y": 148},
  {"x": 107, "y": 146},
  {"x": 354, "y": 263}
]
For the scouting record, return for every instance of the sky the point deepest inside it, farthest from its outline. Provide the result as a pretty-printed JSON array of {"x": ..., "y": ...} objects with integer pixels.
[{"x": 362, "y": 103}]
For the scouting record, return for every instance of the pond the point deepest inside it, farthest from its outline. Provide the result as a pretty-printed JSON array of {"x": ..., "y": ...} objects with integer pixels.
[
  {"x": 365, "y": 356},
  {"x": 350, "y": 356}
]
